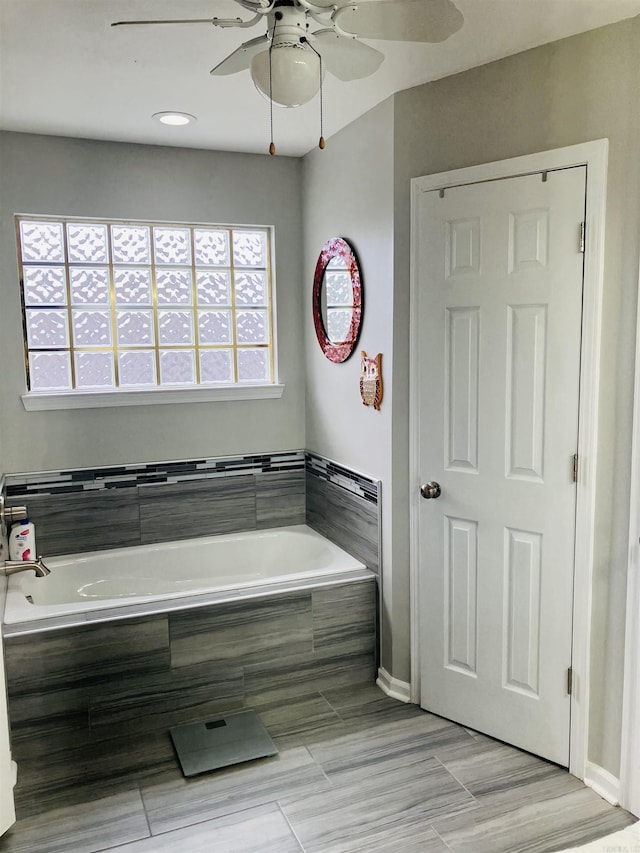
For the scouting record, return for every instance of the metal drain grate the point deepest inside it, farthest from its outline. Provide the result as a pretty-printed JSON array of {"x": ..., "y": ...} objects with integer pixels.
[{"x": 212, "y": 744}]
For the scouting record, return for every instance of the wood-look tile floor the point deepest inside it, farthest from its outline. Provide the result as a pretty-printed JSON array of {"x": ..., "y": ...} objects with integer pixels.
[{"x": 356, "y": 771}]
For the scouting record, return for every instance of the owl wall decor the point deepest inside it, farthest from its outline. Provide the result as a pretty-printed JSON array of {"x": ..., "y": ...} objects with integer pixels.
[{"x": 371, "y": 380}]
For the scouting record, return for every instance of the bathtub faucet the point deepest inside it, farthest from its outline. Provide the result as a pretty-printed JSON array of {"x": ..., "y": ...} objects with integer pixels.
[{"x": 12, "y": 566}]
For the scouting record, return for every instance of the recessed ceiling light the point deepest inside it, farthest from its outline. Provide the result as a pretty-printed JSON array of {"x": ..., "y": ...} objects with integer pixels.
[{"x": 174, "y": 119}]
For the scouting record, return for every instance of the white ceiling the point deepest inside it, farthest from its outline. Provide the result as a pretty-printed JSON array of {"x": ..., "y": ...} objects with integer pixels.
[{"x": 65, "y": 71}]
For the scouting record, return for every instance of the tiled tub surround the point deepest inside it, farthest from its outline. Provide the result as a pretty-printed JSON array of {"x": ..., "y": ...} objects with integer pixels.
[
  {"x": 90, "y": 705},
  {"x": 118, "y": 506},
  {"x": 344, "y": 506}
]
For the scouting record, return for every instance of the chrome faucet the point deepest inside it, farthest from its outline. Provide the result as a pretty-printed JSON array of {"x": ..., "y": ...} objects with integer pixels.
[{"x": 12, "y": 566}]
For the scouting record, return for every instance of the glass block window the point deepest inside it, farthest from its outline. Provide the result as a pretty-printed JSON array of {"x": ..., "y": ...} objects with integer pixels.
[{"x": 114, "y": 305}]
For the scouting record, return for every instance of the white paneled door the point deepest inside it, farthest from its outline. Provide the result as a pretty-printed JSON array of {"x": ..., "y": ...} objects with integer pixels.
[{"x": 499, "y": 274}]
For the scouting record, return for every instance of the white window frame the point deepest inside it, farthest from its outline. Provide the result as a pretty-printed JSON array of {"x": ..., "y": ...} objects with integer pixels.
[{"x": 42, "y": 400}]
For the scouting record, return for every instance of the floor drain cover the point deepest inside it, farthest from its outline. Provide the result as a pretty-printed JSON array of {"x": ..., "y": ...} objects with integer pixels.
[{"x": 218, "y": 743}]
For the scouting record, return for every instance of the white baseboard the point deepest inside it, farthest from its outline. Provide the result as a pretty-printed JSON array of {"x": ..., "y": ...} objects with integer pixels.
[
  {"x": 393, "y": 687},
  {"x": 603, "y": 783}
]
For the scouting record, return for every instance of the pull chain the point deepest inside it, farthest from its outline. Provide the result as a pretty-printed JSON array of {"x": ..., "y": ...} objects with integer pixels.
[
  {"x": 321, "y": 142},
  {"x": 272, "y": 147}
]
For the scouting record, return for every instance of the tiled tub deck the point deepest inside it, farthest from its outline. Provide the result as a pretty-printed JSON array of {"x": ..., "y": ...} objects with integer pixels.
[{"x": 92, "y": 704}]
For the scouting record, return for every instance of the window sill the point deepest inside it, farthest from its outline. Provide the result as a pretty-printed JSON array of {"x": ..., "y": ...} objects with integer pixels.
[{"x": 44, "y": 402}]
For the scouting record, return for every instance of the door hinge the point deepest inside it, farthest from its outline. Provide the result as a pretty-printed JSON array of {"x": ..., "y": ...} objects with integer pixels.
[
  {"x": 574, "y": 468},
  {"x": 583, "y": 235},
  {"x": 570, "y": 680}
]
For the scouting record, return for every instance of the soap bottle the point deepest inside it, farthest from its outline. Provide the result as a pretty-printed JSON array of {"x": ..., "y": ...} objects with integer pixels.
[{"x": 22, "y": 541}]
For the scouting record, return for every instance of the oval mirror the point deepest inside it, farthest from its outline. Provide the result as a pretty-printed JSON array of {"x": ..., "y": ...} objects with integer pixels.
[{"x": 337, "y": 299}]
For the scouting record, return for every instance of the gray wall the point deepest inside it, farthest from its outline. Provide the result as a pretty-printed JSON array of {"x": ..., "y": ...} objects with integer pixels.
[
  {"x": 582, "y": 88},
  {"x": 50, "y": 175},
  {"x": 348, "y": 192}
]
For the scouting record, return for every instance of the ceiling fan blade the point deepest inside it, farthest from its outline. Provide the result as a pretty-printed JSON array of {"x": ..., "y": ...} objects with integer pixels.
[
  {"x": 401, "y": 20},
  {"x": 255, "y": 5},
  {"x": 163, "y": 21},
  {"x": 346, "y": 58},
  {"x": 241, "y": 57}
]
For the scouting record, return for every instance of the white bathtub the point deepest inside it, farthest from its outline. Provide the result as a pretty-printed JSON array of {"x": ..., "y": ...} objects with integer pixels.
[{"x": 211, "y": 568}]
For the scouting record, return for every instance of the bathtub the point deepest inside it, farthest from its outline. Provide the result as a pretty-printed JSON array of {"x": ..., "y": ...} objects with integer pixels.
[{"x": 174, "y": 575}]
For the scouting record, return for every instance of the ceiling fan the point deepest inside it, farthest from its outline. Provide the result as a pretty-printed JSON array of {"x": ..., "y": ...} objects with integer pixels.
[{"x": 289, "y": 60}]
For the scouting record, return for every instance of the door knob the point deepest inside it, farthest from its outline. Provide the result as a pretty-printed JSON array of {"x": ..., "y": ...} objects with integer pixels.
[{"x": 430, "y": 490}]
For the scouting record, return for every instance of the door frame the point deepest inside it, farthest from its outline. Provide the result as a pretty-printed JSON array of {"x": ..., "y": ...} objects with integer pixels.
[
  {"x": 593, "y": 155},
  {"x": 630, "y": 741}
]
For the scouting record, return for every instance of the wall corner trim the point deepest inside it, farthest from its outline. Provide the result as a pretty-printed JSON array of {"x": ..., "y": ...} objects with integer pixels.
[
  {"x": 630, "y": 745},
  {"x": 393, "y": 687},
  {"x": 605, "y": 784}
]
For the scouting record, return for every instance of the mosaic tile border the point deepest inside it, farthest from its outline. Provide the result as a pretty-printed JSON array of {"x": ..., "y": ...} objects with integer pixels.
[
  {"x": 152, "y": 473},
  {"x": 346, "y": 478}
]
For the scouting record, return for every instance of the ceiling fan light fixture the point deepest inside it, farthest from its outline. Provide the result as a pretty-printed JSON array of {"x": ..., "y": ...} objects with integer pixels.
[
  {"x": 295, "y": 74},
  {"x": 174, "y": 119}
]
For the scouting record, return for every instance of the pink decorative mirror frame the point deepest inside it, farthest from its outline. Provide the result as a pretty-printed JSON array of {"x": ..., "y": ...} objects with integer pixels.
[{"x": 336, "y": 250}]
